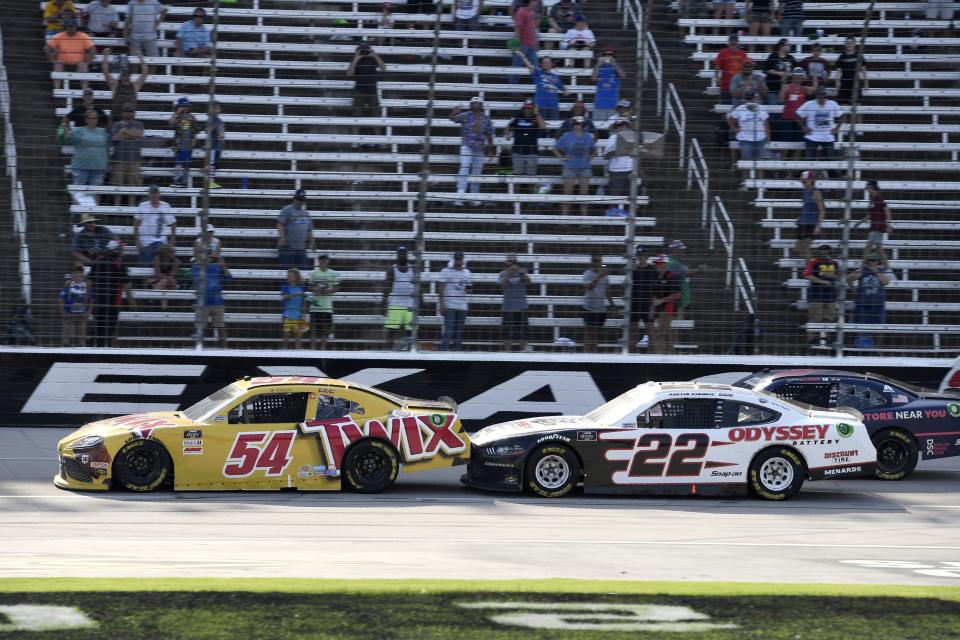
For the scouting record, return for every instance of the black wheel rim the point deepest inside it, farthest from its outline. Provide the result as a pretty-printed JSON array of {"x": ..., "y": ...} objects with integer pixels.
[
  {"x": 142, "y": 464},
  {"x": 891, "y": 455},
  {"x": 372, "y": 467}
]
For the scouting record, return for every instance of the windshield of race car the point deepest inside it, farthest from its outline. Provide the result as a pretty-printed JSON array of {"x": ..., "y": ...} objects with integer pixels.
[{"x": 214, "y": 402}]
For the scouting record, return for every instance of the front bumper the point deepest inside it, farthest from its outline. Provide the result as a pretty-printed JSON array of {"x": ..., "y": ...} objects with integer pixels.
[
  {"x": 75, "y": 474},
  {"x": 493, "y": 475}
]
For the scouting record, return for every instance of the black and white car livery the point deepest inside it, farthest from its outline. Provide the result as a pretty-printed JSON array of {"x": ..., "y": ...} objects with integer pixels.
[
  {"x": 904, "y": 421},
  {"x": 674, "y": 438}
]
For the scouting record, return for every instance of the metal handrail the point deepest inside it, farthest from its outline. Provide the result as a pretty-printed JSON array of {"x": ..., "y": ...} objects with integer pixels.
[
  {"x": 722, "y": 227},
  {"x": 744, "y": 290},
  {"x": 656, "y": 63},
  {"x": 675, "y": 113},
  {"x": 697, "y": 168}
]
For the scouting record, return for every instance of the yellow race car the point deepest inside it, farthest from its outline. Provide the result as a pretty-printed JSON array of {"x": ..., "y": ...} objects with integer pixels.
[{"x": 268, "y": 433}]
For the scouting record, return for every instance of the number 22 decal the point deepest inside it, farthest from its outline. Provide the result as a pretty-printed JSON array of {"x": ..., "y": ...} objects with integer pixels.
[
  {"x": 259, "y": 450},
  {"x": 687, "y": 459}
]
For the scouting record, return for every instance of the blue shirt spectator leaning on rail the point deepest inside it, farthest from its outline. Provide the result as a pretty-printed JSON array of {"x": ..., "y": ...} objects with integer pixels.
[
  {"x": 476, "y": 142},
  {"x": 193, "y": 38}
]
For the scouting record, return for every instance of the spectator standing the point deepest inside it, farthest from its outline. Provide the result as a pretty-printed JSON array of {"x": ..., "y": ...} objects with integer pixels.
[
  {"x": 624, "y": 111},
  {"x": 607, "y": 75},
  {"x": 111, "y": 291},
  {"x": 576, "y": 149},
  {"x": 870, "y": 299},
  {"x": 811, "y": 216},
  {"x": 816, "y": 67},
  {"x": 294, "y": 302},
  {"x": 879, "y": 217},
  {"x": 777, "y": 68},
  {"x": 212, "y": 311},
  {"x": 641, "y": 297},
  {"x": 184, "y": 139},
  {"x": 822, "y": 118},
  {"x": 596, "y": 298},
  {"x": 154, "y": 226},
  {"x": 218, "y": 133},
  {"x": 70, "y": 48},
  {"x": 295, "y": 232},
  {"x": 526, "y": 30},
  {"x": 101, "y": 19},
  {"x": 758, "y": 14},
  {"x": 526, "y": 129},
  {"x": 514, "y": 281},
  {"x": 751, "y": 126},
  {"x": 791, "y": 18},
  {"x": 846, "y": 68},
  {"x": 749, "y": 79},
  {"x": 127, "y": 137},
  {"x": 55, "y": 12},
  {"x": 166, "y": 266},
  {"x": 193, "y": 37},
  {"x": 78, "y": 115},
  {"x": 452, "y": 289},
  {"x": 476, "y": 141},
  {"x": 125, "y": 89},
  {"x": 578, "y": 109},
  {"x": 562, "y": 17},
  {"x": 366, "y": 67},
  {"x": 398, "y": 299},
  {"x": 681, "y": 274},
  {"x": 140, "y": 29},
  {"x": 580, "y": 38},
  {"x": 728, "y": 63},
  {"x": 466, "y": 15},
  {"x": 91, "y": 241},
  {"x": 667, "y": 291},
  {"x": 618, "y": 150},
  {"x": 91, "y": 148},
  {"x": 323, "y": 282},
  {"x": 548, "y": 87},
  {"x": 822, "y": 273},
  {"x": 76, "y": 299},
  {"x": 793, "y": 95}
]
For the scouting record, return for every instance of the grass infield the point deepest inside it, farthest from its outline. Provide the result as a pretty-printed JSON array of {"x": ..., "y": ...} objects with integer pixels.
[{"x": 287, "y": 609}]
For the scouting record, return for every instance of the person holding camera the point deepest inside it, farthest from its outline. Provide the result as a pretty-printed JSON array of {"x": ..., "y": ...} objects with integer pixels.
[
  {"x": 607, "y": 75},
  {"x": 596, "y": 301},
  {"x": 580, "y": 38},
  {"x": 366, "y": 68}
]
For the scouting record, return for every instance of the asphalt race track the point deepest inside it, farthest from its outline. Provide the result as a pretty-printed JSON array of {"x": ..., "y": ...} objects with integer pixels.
[{"x": 429, "y": 526}]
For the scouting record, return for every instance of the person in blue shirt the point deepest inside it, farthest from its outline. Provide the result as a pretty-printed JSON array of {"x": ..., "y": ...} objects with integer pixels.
[
  {"x": 549, "y": 87},
  {"x": 607, "y": 75},
  {"x": 294, "y": 304},
  {"x": 193, "y": 38},
  {"x": 576, "y": 149},
  {"x": 870, "y": 299},
  {"x": 212, "y": 309}
]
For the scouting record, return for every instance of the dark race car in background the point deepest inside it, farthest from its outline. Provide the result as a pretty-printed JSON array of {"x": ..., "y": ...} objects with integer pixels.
[{"x": 905, "y": 422}]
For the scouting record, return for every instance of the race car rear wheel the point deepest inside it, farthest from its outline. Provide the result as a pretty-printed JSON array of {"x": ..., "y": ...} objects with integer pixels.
[
  {"x": 142, "y": 465},
  {"x": 552, "y": 471},
  {"x": 896, "y": 454},
  {"x": 370, "y": 466},
  {"x": 776, "y": 473}
]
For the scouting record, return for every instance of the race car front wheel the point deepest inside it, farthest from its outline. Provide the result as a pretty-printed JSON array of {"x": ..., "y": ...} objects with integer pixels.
[
  {"x": 896, "y": 454},
  {"x": 552, "y": 471},
  {"x": 776, "y": 473},
  {"x": 370, "y": 466},
  {"x": 142, "y": 465}
]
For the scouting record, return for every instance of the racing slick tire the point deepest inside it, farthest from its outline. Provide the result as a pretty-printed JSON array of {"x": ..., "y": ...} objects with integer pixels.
[
  {"x": 552, "y": 471},
  {"x": 370, "y": 466},
  {"x": 776, "y": 473},
  {"x": 142, "y": 465},
  {"x": 897, "y": 454}
]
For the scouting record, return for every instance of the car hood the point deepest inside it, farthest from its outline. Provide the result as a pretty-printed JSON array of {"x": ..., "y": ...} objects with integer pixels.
[
  {"x": 531, "y": 426},
  {"x": 134, "y": 423}
]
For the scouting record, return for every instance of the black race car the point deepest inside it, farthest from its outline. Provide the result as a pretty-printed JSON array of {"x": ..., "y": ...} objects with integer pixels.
[{"x": 905, "y": 422}]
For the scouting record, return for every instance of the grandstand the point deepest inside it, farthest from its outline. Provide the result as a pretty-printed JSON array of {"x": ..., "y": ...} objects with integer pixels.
[{"x": 287, "y": 107}]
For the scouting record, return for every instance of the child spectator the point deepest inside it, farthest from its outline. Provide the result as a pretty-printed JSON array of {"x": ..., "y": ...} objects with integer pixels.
[
  {"x": 217, "y": 136},
  {"x": 526, "y": 129},
  {"x": 811, "y": 217},
  {"x": 548, "y": 85},
  {"x": 212, "y": 309},
  {"x": 822, "y": 273},
  {"x": 563, "y": 17},
  {"x": 576, "y": 149},
  {"x": 324, "y": 282},
  {"x": 293, "y": 307},
  {"x": 607, "y": 75},
  {"x": 452, "y": 289},
  {"x": 76, "y": 299},
  {"x": 514, "y": 280},
  {"x": 70, "y": 48},
  {"x": 184, "y": 138},
  {"x": 878, "y": 215}
]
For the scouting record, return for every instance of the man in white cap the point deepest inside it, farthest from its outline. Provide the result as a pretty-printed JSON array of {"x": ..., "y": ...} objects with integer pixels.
[
  {"x": 153, "y": 226},
  {"x": 476, "y": 133}
]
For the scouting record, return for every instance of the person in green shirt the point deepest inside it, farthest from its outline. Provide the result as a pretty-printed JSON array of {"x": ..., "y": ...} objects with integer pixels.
[
  {"x": 91, "y": 146},
  {"x": 324, "y": 282}
]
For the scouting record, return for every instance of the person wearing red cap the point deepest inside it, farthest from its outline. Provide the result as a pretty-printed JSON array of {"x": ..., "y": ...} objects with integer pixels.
[
  {"x": 607, "y": 75},
  {"x": 811, "y": 217},
  {"x": 663, "y": 307}
]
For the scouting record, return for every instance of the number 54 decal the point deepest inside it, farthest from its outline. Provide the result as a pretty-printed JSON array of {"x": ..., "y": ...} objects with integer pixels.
[
  {"x": 268, "y": 451},
  {"x": 657, "y": 455}
]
